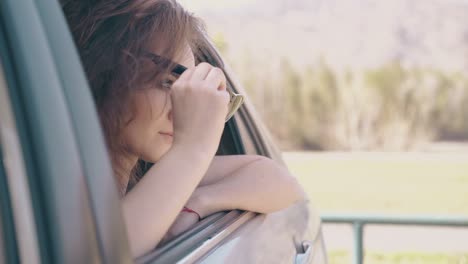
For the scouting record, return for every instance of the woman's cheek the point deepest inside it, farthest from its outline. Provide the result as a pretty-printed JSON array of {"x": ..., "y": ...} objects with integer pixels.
[{"x": 160, "y": 102}]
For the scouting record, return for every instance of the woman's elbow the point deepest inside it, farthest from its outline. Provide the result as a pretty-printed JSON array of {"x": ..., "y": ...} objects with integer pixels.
[
  {"x": 288, "y": 186},
  {"x": 294, "y": 196},
  {"x": 298, "y": 193},
  {"x": 292, "y": 189},
  {"x": 291, "y": 184}
]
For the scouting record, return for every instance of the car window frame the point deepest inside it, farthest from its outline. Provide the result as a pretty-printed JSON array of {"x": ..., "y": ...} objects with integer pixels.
[{"x": 248, "y": 132}]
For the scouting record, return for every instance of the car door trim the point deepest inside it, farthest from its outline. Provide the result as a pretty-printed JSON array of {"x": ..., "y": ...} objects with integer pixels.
[
  {"x": 214, "y": 241},
  {"x": 174, "y": 243},
  {"x": 222, "y": 225}
]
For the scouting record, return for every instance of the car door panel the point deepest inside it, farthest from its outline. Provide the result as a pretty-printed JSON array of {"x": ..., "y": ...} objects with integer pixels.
[{"x": 271, "y": 238}]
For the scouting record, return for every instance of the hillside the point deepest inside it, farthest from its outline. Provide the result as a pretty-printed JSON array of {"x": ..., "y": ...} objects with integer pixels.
[{"x": 356, "y": 33}]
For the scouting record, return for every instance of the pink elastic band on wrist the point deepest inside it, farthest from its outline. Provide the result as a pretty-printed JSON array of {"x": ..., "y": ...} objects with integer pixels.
[{"x": 188, "y": 210}]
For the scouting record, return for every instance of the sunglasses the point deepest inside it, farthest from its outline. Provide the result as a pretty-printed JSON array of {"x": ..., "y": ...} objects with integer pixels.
[{"x": 235, "y": 100}]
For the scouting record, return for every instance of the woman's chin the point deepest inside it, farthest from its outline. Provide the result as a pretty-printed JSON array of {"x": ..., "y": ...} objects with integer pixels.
[{"x": 156, "y": 156}]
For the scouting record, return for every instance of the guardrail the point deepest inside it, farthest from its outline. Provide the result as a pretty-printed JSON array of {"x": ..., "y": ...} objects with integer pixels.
[{"x": 359, "y": 221}]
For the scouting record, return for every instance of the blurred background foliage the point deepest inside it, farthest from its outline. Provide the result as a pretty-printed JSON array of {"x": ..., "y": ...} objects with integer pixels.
[
  {"x": 389, "y": 107},
  {"x": 349, "y": 75}
]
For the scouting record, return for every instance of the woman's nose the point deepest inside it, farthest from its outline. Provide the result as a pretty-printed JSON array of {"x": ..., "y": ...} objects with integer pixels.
[{"x": 169, "y": 107}]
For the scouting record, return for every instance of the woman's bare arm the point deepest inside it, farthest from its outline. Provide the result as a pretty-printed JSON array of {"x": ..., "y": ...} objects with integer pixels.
[
  {"x": 154, "y": 203},
  {"x": 253, "y": 183},
  {"x": 222, "y": 166},
  {"x": 199, "y": 105}
]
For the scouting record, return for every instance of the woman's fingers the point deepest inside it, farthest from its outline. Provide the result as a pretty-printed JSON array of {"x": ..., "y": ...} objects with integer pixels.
[
  {"x": 200, "y": 72},
  {"x": 204, "y": 73},
  {"x": 186, "y": 75},
  {"x": 200, "y": 105},
  {"x": 217, "y": 78}
]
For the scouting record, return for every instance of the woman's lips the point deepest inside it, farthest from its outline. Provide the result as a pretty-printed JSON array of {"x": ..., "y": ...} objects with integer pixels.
[{"x": 166, "y": 133}]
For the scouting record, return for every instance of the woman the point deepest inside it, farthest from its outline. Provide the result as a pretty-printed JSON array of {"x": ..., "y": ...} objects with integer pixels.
[{"x": 176, "y": 122}]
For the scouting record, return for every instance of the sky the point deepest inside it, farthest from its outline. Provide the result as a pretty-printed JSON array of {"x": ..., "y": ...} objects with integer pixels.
[{"x": 198, "y": 5}]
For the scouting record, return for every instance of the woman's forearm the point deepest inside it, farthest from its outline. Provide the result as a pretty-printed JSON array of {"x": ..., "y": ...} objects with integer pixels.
[
  {"x": 261, "y": 186},
  {"x": 152, "y": 205}
]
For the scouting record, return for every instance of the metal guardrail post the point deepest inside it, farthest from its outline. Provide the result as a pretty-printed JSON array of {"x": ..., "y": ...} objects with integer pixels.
[
  {"x": 360, "y": 220},
  {"x": 358, "y": 242}
]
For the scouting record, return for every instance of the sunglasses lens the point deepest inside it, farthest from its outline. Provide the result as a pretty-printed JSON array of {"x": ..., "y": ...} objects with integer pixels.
[{"x": 234, "y": 105}]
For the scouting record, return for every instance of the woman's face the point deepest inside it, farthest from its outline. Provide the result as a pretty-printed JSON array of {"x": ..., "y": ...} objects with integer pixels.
[{"x": 149, "y": 134}]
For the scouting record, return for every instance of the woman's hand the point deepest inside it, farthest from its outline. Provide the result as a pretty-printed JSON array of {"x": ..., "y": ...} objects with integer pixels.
[{"x": 199, "y": 105}]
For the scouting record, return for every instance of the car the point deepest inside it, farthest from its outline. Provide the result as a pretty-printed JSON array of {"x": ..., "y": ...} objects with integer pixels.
[{"x": 58, "y": 198}]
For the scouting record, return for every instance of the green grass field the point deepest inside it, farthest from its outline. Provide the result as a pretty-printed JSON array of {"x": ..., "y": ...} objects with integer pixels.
[{"x": 384, "y": 183}]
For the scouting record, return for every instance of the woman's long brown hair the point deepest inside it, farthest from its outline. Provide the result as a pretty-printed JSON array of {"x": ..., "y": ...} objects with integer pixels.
[{"x": 113, "y": 37}]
